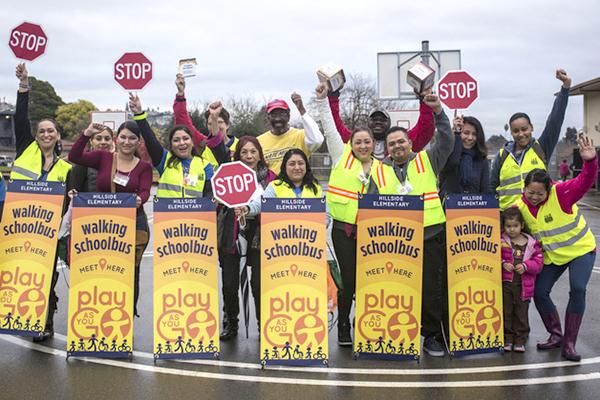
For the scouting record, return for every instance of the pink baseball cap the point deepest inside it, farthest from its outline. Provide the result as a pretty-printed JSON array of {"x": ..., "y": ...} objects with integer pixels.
[{"x": 277, "y": 103}]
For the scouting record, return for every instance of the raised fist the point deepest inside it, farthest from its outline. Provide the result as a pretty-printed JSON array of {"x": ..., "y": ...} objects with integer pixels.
[
  {"x": 297, "y": 100},
  {"x": 180, "y": 83},
  {"x": 321, "y": 91},
  {"x": 562, "y": 76}
]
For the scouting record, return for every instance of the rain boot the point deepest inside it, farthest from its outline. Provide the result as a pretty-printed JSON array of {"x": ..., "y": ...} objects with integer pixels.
[
  {"x": 552, "y": 324},
  {"x": 572, "y": 324}
]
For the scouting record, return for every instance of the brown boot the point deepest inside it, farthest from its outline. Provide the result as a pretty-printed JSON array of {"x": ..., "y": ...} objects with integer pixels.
[
  {"x": 572, "y": 324},
  {"x": 552, "y": 324}
]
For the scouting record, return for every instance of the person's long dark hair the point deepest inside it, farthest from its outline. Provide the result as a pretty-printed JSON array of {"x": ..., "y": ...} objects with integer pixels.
[
  {"x": 174, "y": 160},
  {"x": 309, "y": 180},
  {"x": 480, "y": 146}
]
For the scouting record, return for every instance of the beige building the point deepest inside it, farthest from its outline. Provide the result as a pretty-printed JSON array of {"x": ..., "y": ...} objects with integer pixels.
[{"x": 591, "y": 107}]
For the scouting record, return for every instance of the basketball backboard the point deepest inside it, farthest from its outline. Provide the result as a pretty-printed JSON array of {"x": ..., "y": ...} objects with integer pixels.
[{"x": 393, "y": 67}]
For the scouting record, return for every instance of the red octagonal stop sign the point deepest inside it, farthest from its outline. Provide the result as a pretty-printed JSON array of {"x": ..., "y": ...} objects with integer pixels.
[
  {"x": 28, "y": 41},
  {"x": 234, "y": 184},
  {"x": 457, "y": 90},
  {"x": 133, "y": 71}
]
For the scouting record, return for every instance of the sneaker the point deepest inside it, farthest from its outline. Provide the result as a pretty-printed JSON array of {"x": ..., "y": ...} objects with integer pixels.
[
  {"x": 47, "y": 334},
  {"x": 433, "y": 347},
  {"x": 507, "y": 347},
  {"x": 344, "y": 338},
  {"x": 519, "y": 348}
]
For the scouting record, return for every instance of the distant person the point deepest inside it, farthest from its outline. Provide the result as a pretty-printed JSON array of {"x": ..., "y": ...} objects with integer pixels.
[
  {"x": 281, "y": 138},
  {"x": 380, "y": 122},
  {"x": 525, "y": 153},
  {"x": 563, "y": 170}
]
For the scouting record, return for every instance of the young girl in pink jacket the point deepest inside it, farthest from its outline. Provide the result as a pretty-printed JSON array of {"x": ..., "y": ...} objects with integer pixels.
[{"x": 522, "y": 260}]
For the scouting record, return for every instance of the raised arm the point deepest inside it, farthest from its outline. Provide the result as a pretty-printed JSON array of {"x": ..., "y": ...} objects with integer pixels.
[
  {"x": 180, "y": 112},
  {"x": 334, "y": 104},
  {"x": 335, "y": 145},
  {"x": 153, "y": 146},
  {"x": 23, "y": 136},
  {"x": 551, "y": 132},
  {"x": 444, "y": 144},
  {"x": 313, "y": 138},
  {"x": 571, "y": 191},
  {"x": 78, "y": 155},
  {"x": 423, "y": 130}
]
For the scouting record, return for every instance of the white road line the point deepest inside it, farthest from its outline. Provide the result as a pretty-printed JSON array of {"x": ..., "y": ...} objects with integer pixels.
[
  {"x": 379, "y": 371},
  {"x": 588, "y": 205},
  {"x": 311, "y": 382}
]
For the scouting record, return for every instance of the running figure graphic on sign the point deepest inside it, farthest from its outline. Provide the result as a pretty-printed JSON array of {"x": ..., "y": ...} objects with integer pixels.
[
  {"x": 488, "y": 320},
  {"x": 309, "y": 330},
  {"x": 403, "y": 327},
  {"x": 201, "y": 324},
  {"x": 32, "y": 302}
]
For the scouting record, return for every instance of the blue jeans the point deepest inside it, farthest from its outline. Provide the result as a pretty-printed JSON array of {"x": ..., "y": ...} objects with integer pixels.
[{"x": 580, "y": 271}]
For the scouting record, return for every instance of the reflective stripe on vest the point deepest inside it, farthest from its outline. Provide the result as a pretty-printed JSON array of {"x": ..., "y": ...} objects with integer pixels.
[
  {"x": 283, "y": 191},
  {"x": 28, "y": 166},
  {"x": 171, "y": 183},
  {"x": 563, "y": 236},
  {"x": 345, "y": 185},
  {"x": 512, "y": 175},
  {"x": 423, "y": 180}
]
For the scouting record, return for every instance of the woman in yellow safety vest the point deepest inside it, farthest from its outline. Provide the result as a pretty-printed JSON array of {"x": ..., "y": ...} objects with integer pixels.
[
  {"x": 354, "y": 169},
  {"x": 551, "y": 215},
  {"x": 183, "y": 172},
  {"x": 37, "y": 158},
  {"x": 525, "y": 153},
  {"x": 295, "y": 180}
]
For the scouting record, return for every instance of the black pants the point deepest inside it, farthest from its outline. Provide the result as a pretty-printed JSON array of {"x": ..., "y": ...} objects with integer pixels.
[
  {"x": 230, "y": 274},
  {"x": 516, "y": 314},
  {"x": 142, "y": 237},
  {"x": 345, "y": 251},
  {"x": 434, "y": 308}
]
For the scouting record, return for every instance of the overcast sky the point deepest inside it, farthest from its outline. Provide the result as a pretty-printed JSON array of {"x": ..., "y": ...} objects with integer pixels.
[{"x": 270, "y": 48}]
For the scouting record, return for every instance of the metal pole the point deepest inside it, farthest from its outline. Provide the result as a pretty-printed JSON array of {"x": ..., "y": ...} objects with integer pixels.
[{"x": 425, "y": 52}]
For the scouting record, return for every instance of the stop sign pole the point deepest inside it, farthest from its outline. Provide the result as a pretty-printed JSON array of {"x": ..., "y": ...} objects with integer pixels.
[
  {"x": 234, "y": 184},
  {"x": 133, "y": 71},
  {"x": 28, "y": 41},
  {"x": 457, "y": 90}
]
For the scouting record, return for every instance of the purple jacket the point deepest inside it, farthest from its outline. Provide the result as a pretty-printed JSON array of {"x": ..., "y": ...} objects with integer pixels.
[{"x": 533, "y": 260}]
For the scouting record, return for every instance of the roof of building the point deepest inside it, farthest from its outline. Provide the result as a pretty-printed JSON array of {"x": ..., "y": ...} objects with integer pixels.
[{"x": 585, "y": 87}]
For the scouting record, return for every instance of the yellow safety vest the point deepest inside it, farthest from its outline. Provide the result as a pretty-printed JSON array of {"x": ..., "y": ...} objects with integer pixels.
[
  {"x": 233, "y": 146},
  {"x": 512, "y": 175},
  {"x": 284, "y": 191},
  {"x": 563, "y": 236},
  {"x": 28, "y": 166},
  {"x": 423, "y": 180},
  {"x": 209, "y": 158},
  {"x": 345, "y": 186},
  {"x": 171, "y": 182}
]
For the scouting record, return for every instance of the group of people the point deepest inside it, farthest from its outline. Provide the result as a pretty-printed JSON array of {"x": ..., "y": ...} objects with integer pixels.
[{"x": 544, "y": 233}]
